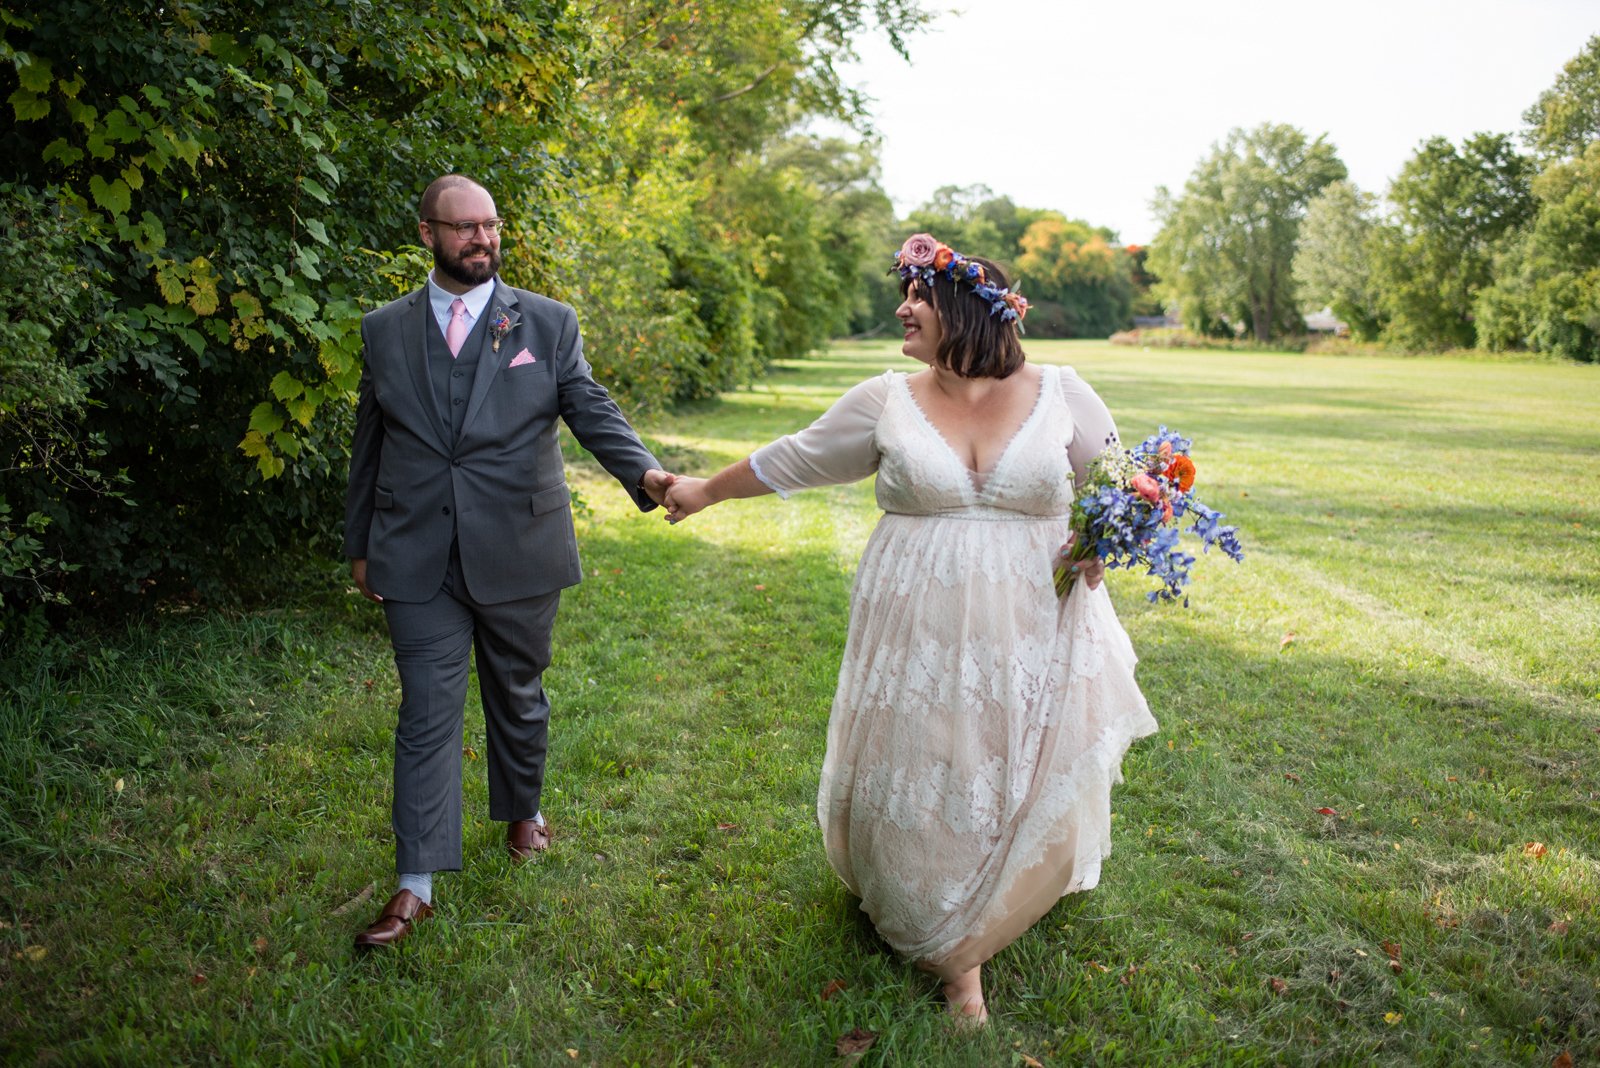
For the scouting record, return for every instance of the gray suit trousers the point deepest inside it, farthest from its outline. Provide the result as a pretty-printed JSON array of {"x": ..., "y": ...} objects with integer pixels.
[{"x": 432, "y": 642}]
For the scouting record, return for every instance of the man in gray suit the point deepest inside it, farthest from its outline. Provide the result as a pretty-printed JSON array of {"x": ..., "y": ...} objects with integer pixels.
[{"x": 458, "y": 521}]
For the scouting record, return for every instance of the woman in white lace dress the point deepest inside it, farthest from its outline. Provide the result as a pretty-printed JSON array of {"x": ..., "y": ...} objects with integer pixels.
[{"x": 980, "y": 721}]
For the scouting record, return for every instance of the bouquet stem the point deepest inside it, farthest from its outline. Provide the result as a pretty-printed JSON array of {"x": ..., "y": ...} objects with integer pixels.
[{"x": 1065, "y": 576}]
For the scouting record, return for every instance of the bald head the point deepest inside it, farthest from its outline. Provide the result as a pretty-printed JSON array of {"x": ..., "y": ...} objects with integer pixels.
[{"x": 438, "y": 187}]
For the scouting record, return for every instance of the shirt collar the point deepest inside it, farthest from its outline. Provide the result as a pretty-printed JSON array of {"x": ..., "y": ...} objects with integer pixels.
[{"x": 476, "y": 299}]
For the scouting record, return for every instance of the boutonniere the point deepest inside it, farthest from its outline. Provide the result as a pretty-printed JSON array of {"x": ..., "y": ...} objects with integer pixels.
[{"x": 501, "y": 326}]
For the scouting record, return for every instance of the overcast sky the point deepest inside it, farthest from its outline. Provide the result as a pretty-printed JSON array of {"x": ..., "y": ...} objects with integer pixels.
[{"x": 1086, "y": 107}]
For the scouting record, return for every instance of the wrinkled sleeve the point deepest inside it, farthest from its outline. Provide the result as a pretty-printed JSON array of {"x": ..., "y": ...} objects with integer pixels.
[
  {"x": 841, "y": 446},
  {"x": 1093, "y": 429}
]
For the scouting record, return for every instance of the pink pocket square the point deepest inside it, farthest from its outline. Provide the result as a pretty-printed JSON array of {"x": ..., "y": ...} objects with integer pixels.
[{"x": 521, "y": 359}]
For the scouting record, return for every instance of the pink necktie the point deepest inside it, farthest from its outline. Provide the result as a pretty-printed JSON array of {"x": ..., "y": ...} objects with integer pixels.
[{"x": 455, "y": 335}]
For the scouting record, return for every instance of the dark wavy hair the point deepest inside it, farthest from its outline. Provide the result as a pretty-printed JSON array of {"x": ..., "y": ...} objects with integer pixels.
[{"x": 975, "y": 344}]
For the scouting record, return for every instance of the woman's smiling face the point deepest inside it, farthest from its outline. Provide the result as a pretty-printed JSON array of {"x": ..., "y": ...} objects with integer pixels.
[{"x": 921, "y": 324}]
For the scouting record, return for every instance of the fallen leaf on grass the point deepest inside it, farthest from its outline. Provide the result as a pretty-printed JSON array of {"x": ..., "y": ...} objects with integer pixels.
[
  {"x": 727, "y": 826},
  {"x": 855, "y": 1042},
  {"x": 357, "y": 901},
  {"x": 1286, "y": 641},
  {"x": 1535, "y": 849},
  {"x": 1558, "y": 927},
  {"x": 1291, "y": 776},
  {"x": 833, "y": 987},
  {"x": 260, "y": 944},
  {"x": 1097, "y": 966},
  {"x": 469, "y": 752},
  {"x": 198, "y": 979},
  {"x": 1328, "y": 811},
  {"x": 572, "y": 1053},
  {"x": 1392, "y": 1018},
  {"x": 1126, "y": 978},
  {"x": 1278, "y": 985},
  {"x": 32, "y": 953},
  {"x": 1031, "y": 1062},
  {"x": 120, "y": 785},
  {"x": 1563, "y": 1060},
  {"x": 1393, "y": 950}
]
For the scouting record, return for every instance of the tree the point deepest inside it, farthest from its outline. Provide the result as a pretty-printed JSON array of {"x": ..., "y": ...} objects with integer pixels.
[
  {"x": 1452, "y": 210},
  {"x": 1080, "y": 282},
  {"x": 1332, "y": 263},
  {"x": 1565, "y": 119},
  {"x": 1546, "y": 295},
  {"x": 707, "y": 237},
  {"x": 960, "y": 216},
  {"x": 224, "y": 166},
  {"x": 1226, "y": 246},
  {"x": 225, "y": 162}
]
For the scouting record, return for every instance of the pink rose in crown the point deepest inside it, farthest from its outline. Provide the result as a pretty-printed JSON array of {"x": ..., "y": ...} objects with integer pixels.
[
  {"x": 919, "y": 250},
  {"x": 522, "y": 359}
]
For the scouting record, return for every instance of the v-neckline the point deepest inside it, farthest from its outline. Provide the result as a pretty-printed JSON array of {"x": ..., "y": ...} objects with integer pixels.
[{"x": 1005, "y": 451}]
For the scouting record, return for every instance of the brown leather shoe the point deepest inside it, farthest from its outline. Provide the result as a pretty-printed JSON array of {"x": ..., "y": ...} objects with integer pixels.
[
  {"x": 524, "y": 838},
  {"x": 399, "y": 916}
]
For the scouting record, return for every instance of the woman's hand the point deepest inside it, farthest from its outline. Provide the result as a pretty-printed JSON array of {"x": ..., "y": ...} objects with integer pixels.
[
  {"x": 1092, "y": 570},
  {"x": 685, "y": 497}
]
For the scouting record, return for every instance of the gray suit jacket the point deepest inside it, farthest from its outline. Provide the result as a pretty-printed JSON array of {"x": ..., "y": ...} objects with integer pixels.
[{"x": 499, "y": 487}]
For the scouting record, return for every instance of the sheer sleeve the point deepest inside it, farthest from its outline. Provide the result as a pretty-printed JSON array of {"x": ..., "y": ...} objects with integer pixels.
[
  {"x": 1092, "y": 426},
  {"x": 841, "y": 446}
]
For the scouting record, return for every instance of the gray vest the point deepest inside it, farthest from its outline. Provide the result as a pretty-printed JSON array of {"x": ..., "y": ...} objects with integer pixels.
[{"x": 453, "y": 375}]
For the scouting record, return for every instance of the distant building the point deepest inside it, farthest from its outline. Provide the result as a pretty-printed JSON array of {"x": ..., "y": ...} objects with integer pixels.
[
  {"x": 1167, "y": 321},
  {"x": 1324, "y": 322}
]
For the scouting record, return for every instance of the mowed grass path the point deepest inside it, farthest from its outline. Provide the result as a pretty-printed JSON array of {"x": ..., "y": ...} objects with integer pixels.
[{"x": 193, "y": 810}]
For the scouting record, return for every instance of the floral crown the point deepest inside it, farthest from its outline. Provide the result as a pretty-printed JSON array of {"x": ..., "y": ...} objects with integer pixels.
[{"x": 922, "y": 258}]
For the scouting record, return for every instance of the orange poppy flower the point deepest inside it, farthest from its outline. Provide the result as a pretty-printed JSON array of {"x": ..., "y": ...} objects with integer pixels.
[
  {"x": 942, "y": 256},
  {"x": 1181, "y": 471}
]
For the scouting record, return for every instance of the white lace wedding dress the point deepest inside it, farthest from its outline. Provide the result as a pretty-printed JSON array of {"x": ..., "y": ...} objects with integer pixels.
[{"x": 980, "y": 722}]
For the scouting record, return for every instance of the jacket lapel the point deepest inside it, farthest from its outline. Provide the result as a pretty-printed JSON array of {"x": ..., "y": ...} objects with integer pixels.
[
  {"x": 490, "y": 361},
  {"x": 414, "y": 344}
]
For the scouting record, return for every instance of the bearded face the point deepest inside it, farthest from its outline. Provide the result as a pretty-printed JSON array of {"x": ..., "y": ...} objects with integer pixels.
[{"x": 471, "y": 263}]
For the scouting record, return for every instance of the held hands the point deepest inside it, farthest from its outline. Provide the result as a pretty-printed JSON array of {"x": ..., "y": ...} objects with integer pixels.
[
  {"x": 685, "y": 497},
  {"x": 655, "y": 483}
]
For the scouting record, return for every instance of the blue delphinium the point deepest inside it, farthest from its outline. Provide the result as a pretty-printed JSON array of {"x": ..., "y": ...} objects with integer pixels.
[{"x": 1127, "y": 511}]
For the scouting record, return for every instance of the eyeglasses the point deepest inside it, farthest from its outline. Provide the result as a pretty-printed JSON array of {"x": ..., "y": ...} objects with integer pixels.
[{"x": 465, "y": 230}]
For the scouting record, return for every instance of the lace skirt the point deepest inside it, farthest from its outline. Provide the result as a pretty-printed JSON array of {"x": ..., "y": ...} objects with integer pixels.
[{"x": 976, "y": 733}]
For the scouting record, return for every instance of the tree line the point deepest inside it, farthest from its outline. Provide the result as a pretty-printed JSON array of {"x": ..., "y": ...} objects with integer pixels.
[
  {"x": 199, "y": 207},
  {"x": 1476, "y": 245},
  {"x": 200, "y": 203}
]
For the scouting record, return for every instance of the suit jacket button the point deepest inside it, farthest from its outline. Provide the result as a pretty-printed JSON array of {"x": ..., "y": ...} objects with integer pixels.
[
  {"x": 455, "y": 463},
  {"x": 447, "y": 509}
]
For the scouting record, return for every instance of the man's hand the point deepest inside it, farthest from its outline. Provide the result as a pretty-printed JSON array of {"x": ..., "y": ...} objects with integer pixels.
[
  {"x": 358, "y": 572},
  {"x": 655, "y": 484}
]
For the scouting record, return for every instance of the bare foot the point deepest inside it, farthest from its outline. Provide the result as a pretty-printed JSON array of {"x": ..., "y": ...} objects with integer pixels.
[
  {"x": 963, "y": 996},
  {"x": 970, "y": 1013}
]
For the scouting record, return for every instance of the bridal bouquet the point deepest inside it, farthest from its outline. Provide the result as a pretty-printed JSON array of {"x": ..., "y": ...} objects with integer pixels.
[{"x": 1127, "y": 514}]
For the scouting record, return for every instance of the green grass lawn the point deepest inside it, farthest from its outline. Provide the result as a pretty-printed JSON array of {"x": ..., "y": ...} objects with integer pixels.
[{"x": 194, "y": 814}]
